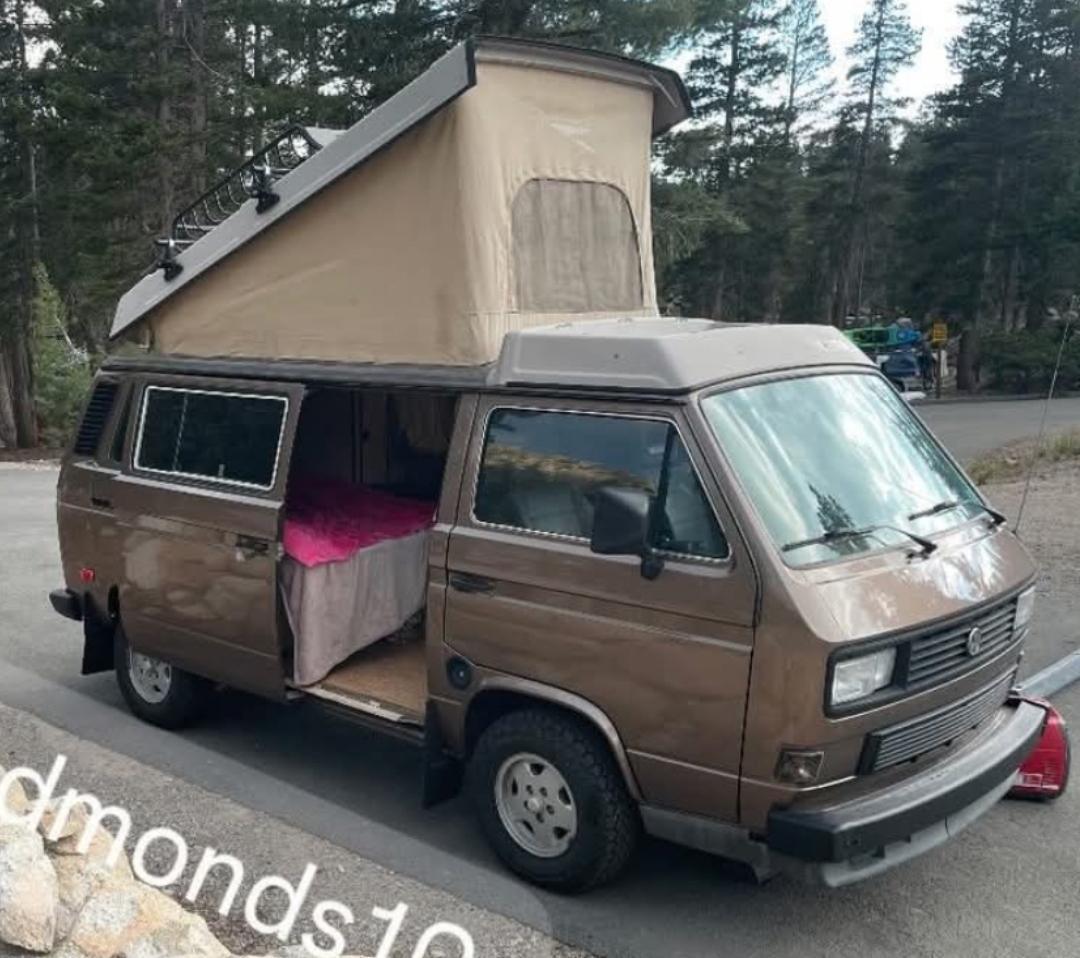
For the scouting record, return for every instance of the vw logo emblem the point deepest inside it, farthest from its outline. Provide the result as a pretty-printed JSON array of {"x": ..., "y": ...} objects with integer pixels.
[{"x": 974, "y": 641}]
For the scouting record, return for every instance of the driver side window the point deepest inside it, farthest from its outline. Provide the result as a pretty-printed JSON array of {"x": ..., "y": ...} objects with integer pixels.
[{"x": 540, "y": 470}]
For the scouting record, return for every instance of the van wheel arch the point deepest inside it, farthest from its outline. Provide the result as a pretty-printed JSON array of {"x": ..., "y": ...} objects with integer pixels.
[
  {"x": 156, "y": 691},
  {"x": 492, "y": 703},
  {"x": 551, "y": 799}
]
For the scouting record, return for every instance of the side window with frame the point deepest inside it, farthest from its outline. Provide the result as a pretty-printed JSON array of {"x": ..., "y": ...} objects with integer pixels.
[
  {"x": 221, "y": 437},
  {"x": 116, "y": 447},
  {"x": 541, "y": 468}
]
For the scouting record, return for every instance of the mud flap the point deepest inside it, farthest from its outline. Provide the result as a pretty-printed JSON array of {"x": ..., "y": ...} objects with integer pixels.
[
  {"x": 98, "y": 632},
  {"x": 442, "y": 772}
]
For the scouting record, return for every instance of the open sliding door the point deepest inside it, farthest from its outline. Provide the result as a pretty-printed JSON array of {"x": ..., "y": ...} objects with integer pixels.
[{"x": 199, "y": 510}]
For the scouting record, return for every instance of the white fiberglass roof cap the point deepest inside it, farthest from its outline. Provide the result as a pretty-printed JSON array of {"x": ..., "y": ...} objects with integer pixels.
[{"x": 665, "y": 354}]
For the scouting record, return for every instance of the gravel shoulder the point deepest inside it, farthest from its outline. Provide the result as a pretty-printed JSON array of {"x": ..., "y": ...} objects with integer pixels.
[{"x": 1051, "y": 530}]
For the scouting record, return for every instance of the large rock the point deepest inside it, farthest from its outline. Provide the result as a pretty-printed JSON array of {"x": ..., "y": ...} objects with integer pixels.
[
  {"x": 16, "y": 802},
  {"x": 125, "y": 919},
  {"x": 79, "y": 875},
  {"x": 70, "y": 835},
  {"x": 29, "y": 895},
  {"x": 188, "y": 936},
  {"x": 72, "y": 827}
]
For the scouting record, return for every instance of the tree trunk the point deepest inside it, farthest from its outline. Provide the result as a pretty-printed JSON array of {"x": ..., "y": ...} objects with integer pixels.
[
  {"x": 166, "y": 205},
  {"x": 851, "y": 254},
  {"x": 313, "y": 70},
  {"x": 8, "y": 432},
  {"x": 1009, "y": 299},
  {"x": 984, "y": 307},
  {"x": 716, "y": 311},
  {"x": 259, "y": 109},
  {"x": 731, "y": 87},
  {"x": 20, "y": 385},
  {"x": 194, "y": 13},
  {"x": 793, "y": 82},
  {"x": 967, "y": 360},
  {"x": 18, "y": 365}
]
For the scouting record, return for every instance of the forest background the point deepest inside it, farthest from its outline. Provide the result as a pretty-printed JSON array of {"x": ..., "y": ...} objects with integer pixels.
[{"x": 792, "y": 197}]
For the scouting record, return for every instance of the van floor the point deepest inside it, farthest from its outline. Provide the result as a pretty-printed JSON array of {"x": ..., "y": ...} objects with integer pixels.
[{"x": 387, "y": 679}]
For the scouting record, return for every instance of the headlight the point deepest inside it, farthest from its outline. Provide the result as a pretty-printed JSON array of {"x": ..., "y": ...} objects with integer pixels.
[
  {"x": 1025, "y": 606},
  {"x": 855, "y": 679}
]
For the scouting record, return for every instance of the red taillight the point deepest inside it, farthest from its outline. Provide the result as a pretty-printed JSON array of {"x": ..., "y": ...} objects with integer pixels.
[
  {"x": 87, "y": 575},
  {"x": 1045, "y": 773}
]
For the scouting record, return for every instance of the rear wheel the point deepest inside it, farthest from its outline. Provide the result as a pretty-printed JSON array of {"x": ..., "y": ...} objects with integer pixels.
[
  {"x": 551, "y": 800},
  {"x": 155, "y": 691}
]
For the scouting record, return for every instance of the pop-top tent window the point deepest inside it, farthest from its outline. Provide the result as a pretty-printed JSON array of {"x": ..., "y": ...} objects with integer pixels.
[
  {"x": 575, "y": 248},
  {"x": 506, "y": 187}
]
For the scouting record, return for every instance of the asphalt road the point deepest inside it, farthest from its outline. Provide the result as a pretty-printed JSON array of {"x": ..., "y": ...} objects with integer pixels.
[
  {"x": 970, "y": 429},
  {"x": 1004, "y": 887}
]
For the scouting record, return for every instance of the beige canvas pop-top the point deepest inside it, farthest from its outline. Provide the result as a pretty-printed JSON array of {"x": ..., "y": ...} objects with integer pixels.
[{"x": 506, "y": 187}]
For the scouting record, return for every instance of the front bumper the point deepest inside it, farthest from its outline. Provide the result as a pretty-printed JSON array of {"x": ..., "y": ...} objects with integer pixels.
[{"x": 849, "y": 840}]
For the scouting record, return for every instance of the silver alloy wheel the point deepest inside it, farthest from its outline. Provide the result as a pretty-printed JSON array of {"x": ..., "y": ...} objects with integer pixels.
[
  {"x": 535, "y": 805},
  {"x": 151, "y": 678}
]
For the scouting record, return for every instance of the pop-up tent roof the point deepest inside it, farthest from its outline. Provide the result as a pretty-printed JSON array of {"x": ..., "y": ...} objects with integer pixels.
[{"x": 506, "y": 187}]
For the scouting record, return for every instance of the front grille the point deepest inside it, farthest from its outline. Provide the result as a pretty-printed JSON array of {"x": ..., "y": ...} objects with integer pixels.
[
  {"x": 940, "y": 655},
  {"x": 897, "y": 744}
]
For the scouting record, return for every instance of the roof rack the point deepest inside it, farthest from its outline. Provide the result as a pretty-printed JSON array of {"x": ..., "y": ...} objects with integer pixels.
[{"x": 253, "y": 179}]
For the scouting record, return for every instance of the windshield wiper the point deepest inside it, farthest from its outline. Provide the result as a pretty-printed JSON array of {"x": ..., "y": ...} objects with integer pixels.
[
  {"x": 949, "y": 504},
  {"x": 834, "y": 535}
]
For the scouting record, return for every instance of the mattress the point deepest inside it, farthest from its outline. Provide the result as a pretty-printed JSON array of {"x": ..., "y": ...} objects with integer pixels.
[{"x": 354, "y": 570}]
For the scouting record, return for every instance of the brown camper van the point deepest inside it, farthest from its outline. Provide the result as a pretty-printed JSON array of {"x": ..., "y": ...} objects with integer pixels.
[{"x": 618, "y": 572}]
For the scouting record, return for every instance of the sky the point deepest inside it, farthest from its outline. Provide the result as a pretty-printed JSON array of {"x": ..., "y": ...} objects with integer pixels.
[{"x": 939, "y": 22}]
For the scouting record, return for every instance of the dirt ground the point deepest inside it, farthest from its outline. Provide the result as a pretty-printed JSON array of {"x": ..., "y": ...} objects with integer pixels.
[
  {"x": 37, "y": 454},
  {"x": 1051, "y": 530}
]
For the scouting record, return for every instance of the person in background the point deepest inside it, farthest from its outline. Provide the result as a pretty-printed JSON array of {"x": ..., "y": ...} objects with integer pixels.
[{"x": 926, "y": 362}]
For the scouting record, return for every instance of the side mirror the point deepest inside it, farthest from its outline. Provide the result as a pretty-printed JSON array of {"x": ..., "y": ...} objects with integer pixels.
[{"x": 621, "y": 522}]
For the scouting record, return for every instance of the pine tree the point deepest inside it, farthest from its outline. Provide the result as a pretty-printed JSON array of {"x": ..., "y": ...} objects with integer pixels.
[
  {"x": 885, "y": 42},
  {"x": 759, "y": 78},
  {"x": 990, "y": 239},
  {"x": 737, "y": 63},
  {"x": 20, "y": 234},
  {"x": 807, "y": 60}
]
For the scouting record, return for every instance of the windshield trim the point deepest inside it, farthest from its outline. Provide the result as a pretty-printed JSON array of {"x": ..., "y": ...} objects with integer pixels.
[
  {"x": 839, "y": 369},
  {"x": 781, "y": 375}
]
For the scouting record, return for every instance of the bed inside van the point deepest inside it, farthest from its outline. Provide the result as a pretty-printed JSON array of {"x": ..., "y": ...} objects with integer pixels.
[{"x": 364, "y": 482}]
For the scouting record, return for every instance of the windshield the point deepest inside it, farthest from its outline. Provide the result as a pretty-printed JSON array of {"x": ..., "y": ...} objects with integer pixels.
[{"x": 822, "y": 456}]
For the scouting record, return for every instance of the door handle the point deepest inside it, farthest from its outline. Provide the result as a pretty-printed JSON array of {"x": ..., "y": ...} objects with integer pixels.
[
  {"x": 101, "y": 502},
  {"x": 251, "y": 547},
  {"x": 465, "y": 582}
]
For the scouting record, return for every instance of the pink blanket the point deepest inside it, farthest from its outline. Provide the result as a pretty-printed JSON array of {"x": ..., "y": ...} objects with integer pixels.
[{"x": 327, "y": 520}]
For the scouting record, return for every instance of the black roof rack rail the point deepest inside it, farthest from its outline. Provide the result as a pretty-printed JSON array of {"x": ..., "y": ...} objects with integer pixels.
[{"x": 252, "y": 179}]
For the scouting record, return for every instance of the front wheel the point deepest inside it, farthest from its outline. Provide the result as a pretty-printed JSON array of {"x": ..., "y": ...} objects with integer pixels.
[
  {"x": 551, "y": 800},
  {"x": 155, "y": 691}
]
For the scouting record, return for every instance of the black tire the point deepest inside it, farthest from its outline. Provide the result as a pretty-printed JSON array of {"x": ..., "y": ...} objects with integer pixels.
[
  {"x": 182, "y": 704},
  {"x": 608, "y": 825}
]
